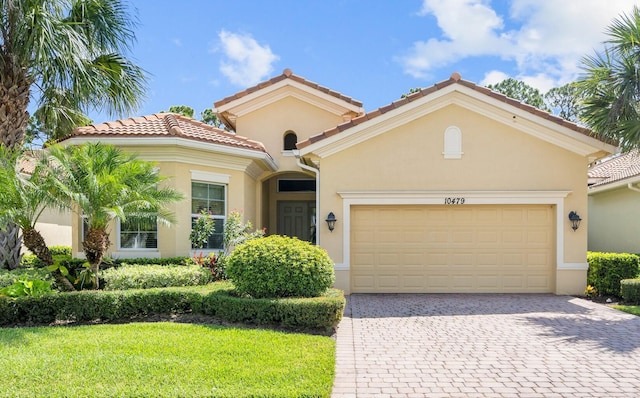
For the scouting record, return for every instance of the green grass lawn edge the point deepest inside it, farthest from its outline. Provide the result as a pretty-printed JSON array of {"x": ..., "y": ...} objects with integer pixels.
[
  {"x": 164, "y": 359},
  {"x": 218, "y": 300},
  {"x": 631, "y": 309}
]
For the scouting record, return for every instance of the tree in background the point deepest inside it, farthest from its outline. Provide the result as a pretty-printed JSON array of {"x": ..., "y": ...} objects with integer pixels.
[
  {"x": 521, "y": 91},
  {"x": 182, "y": 110},
  {"x": 72, "y": 54},
  {"x": 104, "y": 184},
  {"x": 564, "y": 101},
  {"x": 411, "y": 91},
  {"x": 208, "y": 116},
  {"x": 610, "y": 86}
]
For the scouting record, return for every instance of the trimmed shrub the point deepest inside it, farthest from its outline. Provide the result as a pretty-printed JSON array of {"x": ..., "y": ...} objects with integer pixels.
[
  {"x": 31, "y": 261},
  {"x": 217, "y": 300},
  {"x": 630, "y": 290},
  {"x": 60, "y": 250},
  {"x": 606, "y": 270},
  {"x": 280, "y": 266},
  {"x": 150, "y": 261},
  {"x": 150, "y": 276}
]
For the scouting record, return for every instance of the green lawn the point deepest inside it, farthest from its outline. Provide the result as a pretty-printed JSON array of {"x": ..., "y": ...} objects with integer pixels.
[
  {"x": 631, "y": 309},
  {"x": 163, "y": 360}
]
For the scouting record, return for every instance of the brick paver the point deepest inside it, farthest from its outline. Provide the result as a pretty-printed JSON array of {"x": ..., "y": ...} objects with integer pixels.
[{"x": 455, "y": 345}]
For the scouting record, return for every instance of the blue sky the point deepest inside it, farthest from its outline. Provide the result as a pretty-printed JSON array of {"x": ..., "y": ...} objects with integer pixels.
[{"x": 200, "y": 51}]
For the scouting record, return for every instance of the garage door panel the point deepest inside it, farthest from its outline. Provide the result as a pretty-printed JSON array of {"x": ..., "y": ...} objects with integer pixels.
[
  {"x": 482, "y": 248},
  {"x": 486, "y": 259},
  {"x": 538, "y": 281},
  {"x": 363, "y": 282},
  {"x": 462, "y": 259},
  {"x": 388, "y": 281},
  {"x": 413, "y": 281}
]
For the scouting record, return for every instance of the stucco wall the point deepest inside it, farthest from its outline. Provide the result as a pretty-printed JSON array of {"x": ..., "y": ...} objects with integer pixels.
[
  {"x": 55, "y": 227},
  {"x": 174, "y": 240},
  {"x": 496, "y": 158},
  {"x": 613, "y": 226},
  {"x": 269, "y": 124}
]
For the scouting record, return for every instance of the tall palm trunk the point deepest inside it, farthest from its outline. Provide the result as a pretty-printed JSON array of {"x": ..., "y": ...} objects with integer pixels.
[
  {"x": 95, "y": 246},
  {"x": 14, "y": 99},
  {"x": 34, "y": 241}
]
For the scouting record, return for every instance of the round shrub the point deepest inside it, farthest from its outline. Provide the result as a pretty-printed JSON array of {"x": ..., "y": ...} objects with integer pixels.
[{"x": 280, "y": 266}]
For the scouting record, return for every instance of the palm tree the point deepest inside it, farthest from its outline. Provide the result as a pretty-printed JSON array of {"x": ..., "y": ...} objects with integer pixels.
[
  {"x": 610, "y": 86},
  {"x": 104, "y": 184},
  {"x": 25, "y": 197},
  {"x": 69, "y": 56}
]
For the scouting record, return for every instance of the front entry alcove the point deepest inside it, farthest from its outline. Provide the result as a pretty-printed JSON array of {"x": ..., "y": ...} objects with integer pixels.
[{"x": 289, "y": 205}]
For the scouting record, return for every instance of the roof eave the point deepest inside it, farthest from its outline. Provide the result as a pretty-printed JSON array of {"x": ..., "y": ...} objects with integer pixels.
[
  {"x": 614, "y": 185},
  {"x": 262, "y": 156}
]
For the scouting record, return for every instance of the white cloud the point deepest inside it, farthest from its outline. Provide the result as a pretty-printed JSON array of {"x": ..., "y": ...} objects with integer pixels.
[
  {"x": 493, "y": 77},
  {"x": 177, "y": 42},
  {"x": 246, "y": 62},
  {"x": 469, "y": 28},
  {"x": 544, "y": 39}
]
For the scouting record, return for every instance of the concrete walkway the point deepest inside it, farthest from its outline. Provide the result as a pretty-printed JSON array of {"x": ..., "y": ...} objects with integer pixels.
[{"x": 454, "y": 345}]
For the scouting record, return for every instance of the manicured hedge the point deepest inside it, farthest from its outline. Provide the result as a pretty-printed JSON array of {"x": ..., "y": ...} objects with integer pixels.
[
  {"x": 606, "y": 270},
  {"x": 150, "y": 261},
  {"x": 630, "y": 290},
  {"x": 219, "y": 300},
  {"x": 150, "y": 276},
  {"x": 60, "y": 250}
]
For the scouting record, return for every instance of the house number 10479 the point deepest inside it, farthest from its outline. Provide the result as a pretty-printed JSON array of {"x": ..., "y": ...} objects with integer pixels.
[{"x": 453, "y": 201}]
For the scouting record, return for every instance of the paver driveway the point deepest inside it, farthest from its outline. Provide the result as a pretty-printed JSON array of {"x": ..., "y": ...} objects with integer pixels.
[{"x": 462, "y": 345}]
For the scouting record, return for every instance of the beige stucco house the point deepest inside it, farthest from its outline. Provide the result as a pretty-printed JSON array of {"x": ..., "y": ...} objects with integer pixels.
[
  {"x": 54, "y": 225},
  {"x": 614, "y": 203},
  {"x": 453, "y": 189}
]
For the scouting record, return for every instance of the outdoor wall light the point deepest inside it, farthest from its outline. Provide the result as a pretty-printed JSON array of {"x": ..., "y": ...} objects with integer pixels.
[
  {"x": 575, "y": 220},
  {"x": 331, "y": 221}
]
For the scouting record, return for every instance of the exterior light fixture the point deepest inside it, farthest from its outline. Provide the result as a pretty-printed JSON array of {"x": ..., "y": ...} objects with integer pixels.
[
  {"x": 331, "y": 221},
  {"x": 575, "y": 220}
]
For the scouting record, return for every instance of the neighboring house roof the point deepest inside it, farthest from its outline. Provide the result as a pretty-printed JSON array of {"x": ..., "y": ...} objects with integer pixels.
[
  {"x": 618, "y": 169},
  {"x": 27, "y": 164},
  {"x": 454, "y": 79},
  {"x": 167, "y": 125}
]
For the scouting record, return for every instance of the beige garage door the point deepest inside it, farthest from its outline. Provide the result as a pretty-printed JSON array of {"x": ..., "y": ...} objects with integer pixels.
[{"x": 453, "y": 249}]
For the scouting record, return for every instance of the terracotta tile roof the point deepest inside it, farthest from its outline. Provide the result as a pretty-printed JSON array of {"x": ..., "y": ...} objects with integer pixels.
[
  {"x": 454, "y": 79},
  {"x": 167, "y": 125},
  {"x": 614, "y": 169},
  {"x": 286, "y": 74},
  {"x": 27, "y": 163}
]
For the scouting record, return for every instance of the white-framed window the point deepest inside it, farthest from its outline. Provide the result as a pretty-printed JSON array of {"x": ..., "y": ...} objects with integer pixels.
[
  {"x": 212, "y": 198},
  {"x": 138, "y": 233}
]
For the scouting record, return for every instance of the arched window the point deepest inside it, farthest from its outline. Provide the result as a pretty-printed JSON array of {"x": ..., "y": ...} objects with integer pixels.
[{"x": 290, "y": 140}]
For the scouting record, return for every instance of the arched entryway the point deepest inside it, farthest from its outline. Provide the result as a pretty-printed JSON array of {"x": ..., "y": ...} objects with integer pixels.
[{"x": 289, "y": 205}]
